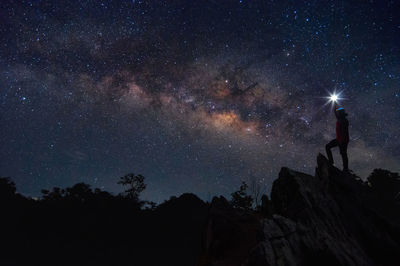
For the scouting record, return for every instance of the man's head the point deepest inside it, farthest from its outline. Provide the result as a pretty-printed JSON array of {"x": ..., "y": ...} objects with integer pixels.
[{"x": 340, "y": 112}]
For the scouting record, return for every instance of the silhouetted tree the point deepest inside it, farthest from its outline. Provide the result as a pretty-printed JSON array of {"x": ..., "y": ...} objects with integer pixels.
[
  {"x": 79, "y": 192},
  {"x": 149, "y": 205},
  {"x": 240, "y": 199},
  {"x": 135, "y": 185},
  {"x": 56, "y": 194},
  {"x": 102, "y": 195},
  {"x": 7, "y": 188},
  {"x": 386, "y": 184}
]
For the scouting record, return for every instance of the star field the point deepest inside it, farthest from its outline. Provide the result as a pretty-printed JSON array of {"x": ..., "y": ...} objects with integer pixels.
[{"x": 194, "y": 95}]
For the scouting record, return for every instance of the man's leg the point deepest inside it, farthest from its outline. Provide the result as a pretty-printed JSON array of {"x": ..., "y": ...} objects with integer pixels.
[
  {"x": 345, "y": 159},
  {"x": 328, "y": 148}
]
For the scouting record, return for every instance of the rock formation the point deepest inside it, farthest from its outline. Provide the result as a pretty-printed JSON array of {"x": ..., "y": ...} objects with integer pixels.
[{"x": 331, "y": 218}]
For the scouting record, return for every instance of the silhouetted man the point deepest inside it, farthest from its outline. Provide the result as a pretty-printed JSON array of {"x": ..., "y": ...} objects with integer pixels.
[{"x": 342, "y": 137}]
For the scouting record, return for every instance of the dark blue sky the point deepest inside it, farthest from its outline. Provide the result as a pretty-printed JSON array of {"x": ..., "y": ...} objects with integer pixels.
[{"x": 194, "y": 95}]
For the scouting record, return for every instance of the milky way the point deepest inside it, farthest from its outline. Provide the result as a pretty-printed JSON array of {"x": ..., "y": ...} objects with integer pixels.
[{"x": 194, "y": 95}]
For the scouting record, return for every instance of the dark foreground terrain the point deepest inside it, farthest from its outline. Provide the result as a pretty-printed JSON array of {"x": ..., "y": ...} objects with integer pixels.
[
  {"x": 331, "y": 218},
  {"x": 100, "y": 229}
]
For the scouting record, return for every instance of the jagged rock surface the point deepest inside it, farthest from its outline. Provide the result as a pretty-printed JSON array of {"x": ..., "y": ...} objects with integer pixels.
[{"x": 326, "y": 219}]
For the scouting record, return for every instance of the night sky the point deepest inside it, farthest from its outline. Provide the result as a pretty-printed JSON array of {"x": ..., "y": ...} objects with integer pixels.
[{"x": 194, "y": 95}]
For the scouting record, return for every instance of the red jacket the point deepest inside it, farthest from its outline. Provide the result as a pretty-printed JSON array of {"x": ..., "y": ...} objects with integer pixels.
[{"x": 342, "y": 130}]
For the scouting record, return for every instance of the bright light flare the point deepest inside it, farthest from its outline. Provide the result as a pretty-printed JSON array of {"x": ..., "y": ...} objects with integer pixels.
[{"x": 334, "y": 98}]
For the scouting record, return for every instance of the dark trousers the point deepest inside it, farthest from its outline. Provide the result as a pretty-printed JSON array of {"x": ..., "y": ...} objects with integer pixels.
[{"x": 343, "y": 152}]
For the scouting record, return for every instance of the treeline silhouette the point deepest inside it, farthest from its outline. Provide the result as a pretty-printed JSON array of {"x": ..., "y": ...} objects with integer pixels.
[{"x": 79, "y": 225}]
